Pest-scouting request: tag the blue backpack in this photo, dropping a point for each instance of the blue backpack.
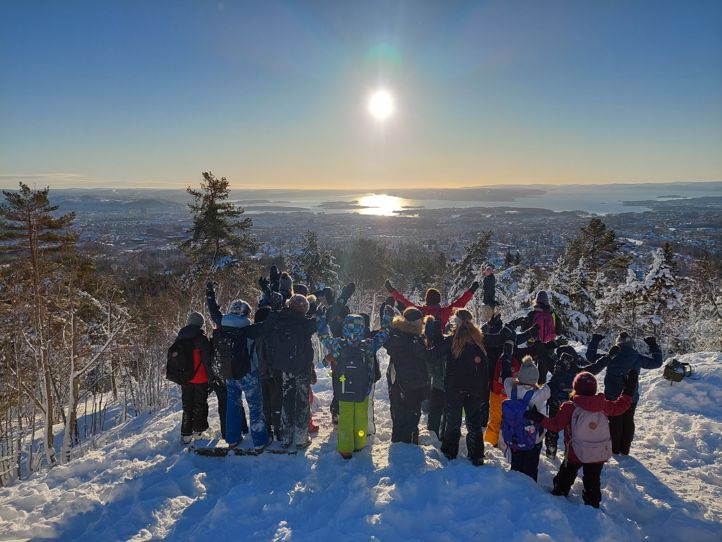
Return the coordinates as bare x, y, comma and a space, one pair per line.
519, 433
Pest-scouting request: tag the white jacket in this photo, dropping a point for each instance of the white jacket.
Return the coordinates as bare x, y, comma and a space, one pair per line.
539, 399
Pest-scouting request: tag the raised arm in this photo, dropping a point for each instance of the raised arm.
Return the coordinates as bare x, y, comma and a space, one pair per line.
383, 334
324, 334
655, 362
464, 298
213, 309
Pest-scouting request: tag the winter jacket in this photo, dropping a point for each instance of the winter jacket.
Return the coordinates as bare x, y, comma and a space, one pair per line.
437, 311
538, 400
297, 358
564, 373
592, 403
408, 367
626, 360
237, 327
201, 353
468, 373
353, 337
496, 334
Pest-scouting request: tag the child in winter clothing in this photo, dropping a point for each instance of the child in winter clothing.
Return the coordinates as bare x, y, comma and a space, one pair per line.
407, 375
269, 388
586, 433
233, 360
354, 376
194, 394
621, 360
466, 388
437, 395
433, 302
568, 364
527, 461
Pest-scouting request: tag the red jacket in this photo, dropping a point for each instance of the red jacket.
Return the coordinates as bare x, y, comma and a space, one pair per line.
592, 403
498, 383
200, 376
437, 311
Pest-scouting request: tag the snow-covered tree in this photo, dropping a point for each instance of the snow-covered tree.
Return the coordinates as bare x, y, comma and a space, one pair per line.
314, 265
661, 301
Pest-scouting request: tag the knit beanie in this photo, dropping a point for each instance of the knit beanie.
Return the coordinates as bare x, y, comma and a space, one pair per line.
585, 384
285, 283
300, 289
195, 319
412, 314
542, 299
623, 339
239, 307
298, 303
528, 373
486, 312
433, 297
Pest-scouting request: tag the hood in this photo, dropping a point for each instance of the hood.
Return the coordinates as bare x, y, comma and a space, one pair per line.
235, 320
354, 328
399, 323
190, 332
592, 403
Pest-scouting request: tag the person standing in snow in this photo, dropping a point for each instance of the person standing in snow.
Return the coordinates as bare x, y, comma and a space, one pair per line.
269, 388
584, 420
407, 375
527, 461
354, 376
621, 361
433, 302
543, 316
232, 358
194, 394
466, 387
291, 354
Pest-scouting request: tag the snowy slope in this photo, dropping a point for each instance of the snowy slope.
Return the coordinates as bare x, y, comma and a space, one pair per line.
141, 485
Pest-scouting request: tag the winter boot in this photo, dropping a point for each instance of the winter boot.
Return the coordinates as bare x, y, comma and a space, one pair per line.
346, 455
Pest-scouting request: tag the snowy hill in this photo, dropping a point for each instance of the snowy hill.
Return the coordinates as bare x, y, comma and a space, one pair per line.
141, 484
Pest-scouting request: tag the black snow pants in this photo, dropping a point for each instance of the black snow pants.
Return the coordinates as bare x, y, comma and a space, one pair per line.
272, 401
564, 479
405, 413
295, 408
474, 406
621, 429
436, 422
195, 408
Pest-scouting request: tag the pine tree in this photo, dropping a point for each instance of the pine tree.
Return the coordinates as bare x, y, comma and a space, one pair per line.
599, 246
317, 267
661, 298
620, 306
36, 241
220, 243
470, 267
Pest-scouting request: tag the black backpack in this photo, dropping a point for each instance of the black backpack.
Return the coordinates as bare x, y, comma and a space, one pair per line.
289, 348
352, 375
675, 370
180, 367
231, 359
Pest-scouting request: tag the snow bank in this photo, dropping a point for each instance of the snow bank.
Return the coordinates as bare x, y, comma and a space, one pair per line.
143, 485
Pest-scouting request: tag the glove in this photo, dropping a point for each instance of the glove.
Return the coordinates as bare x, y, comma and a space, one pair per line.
651, 342
631, 383
474, 286
534, 415
388, 286
348, 291
613, 351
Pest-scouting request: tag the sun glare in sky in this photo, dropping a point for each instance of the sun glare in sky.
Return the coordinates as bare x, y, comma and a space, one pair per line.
381, 105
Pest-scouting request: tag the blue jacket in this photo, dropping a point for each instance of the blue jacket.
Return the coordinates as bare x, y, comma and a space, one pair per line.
628, 359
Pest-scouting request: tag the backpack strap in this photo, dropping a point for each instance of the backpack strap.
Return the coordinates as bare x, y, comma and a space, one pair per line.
513, 392
528, 397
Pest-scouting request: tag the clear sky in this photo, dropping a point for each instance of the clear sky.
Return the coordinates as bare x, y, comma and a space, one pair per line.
274, 94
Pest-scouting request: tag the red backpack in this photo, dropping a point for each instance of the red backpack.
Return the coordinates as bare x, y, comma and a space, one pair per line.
545, 321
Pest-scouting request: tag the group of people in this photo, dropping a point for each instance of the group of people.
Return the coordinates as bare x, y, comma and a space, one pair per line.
493, 376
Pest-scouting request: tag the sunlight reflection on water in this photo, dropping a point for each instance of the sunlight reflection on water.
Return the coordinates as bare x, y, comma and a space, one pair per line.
381, 205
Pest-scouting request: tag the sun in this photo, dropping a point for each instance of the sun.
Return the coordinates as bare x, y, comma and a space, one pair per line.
381, 105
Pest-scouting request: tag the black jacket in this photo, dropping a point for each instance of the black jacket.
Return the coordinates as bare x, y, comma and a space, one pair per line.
468, 373
288, 338
408, 367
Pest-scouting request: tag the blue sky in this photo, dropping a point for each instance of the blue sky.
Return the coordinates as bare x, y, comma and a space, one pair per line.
151, 93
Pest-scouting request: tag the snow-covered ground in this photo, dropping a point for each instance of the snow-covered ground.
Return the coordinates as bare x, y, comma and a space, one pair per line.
141, 484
